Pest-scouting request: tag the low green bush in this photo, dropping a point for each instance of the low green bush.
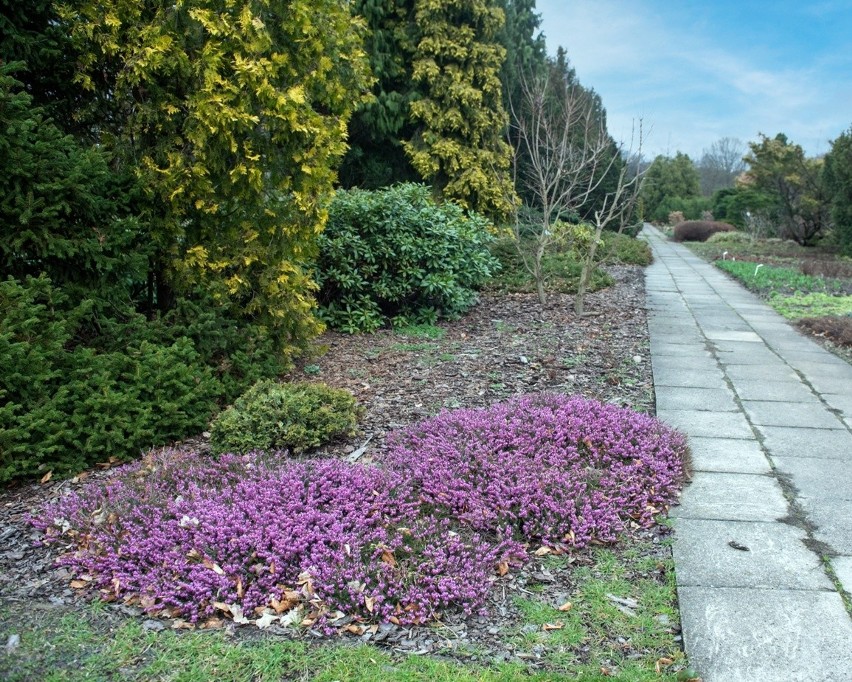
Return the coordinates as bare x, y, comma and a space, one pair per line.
276, 416
623, 249
394, 255
724, 238
64, 406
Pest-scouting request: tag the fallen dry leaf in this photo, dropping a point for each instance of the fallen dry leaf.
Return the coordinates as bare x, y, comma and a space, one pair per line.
46, 477
389, 558
266, 619
558, 625
567, 606
543, 551
662, 663
502, 568
369, 602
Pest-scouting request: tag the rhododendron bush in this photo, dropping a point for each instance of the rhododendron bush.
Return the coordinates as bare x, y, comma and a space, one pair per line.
448, 507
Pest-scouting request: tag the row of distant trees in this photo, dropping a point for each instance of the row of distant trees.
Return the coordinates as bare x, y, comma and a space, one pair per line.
769, 187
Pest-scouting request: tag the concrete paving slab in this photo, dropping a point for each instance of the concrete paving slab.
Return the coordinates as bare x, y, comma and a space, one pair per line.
760, 357
843, 402
752, 374
745, 554
678, 365
689, 398
782, 441
754, 635
833, 521
773, 413
829, 384
828, 479
669, 349
732, 497
747, 336
782, 391
842, 566
708, 424
728, 455
698, 360
686, 377
827, 365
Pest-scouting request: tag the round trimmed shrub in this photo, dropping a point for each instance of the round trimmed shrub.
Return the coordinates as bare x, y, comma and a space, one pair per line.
394, 254
276, 416
699, 230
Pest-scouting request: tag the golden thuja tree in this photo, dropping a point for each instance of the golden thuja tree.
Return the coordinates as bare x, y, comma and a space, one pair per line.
233, 116
459, 145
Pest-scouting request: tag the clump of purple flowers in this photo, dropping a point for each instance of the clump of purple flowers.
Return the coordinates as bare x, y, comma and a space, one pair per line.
452, 502
554, 468
186, 535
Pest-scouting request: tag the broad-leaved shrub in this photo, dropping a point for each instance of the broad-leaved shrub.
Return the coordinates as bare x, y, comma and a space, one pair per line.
279, 416
395, 253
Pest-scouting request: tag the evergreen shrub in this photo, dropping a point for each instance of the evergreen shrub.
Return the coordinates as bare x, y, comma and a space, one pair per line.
394, 255
276, 416
65, 406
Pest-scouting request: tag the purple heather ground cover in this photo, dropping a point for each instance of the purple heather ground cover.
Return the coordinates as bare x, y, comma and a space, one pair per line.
450, 504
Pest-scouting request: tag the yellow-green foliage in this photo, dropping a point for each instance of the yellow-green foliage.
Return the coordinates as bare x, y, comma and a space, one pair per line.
276, 416
233, 115
460, 147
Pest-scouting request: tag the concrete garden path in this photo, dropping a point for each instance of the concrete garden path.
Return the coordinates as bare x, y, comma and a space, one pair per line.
763, 535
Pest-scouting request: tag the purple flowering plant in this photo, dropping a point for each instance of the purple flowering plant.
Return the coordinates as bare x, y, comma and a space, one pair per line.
450, 504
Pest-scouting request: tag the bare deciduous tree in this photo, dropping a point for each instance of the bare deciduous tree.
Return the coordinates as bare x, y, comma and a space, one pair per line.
563, 153
721, 164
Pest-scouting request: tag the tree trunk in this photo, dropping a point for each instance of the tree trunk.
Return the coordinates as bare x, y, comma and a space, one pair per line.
586, 273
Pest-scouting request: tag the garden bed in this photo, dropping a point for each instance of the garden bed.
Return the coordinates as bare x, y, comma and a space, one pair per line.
623, 614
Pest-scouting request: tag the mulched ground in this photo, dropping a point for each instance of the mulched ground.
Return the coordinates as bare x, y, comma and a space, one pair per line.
507, 345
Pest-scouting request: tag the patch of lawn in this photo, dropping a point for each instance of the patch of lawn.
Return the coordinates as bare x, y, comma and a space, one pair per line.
620, 619
791, 293
799, 306
771, 279
421, 331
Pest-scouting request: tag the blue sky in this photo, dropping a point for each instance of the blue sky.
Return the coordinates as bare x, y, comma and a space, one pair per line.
699, 71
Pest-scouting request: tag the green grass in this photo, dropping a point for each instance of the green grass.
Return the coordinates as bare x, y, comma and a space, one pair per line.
771, 279
774, 249
421, 331
594, 632
789, 292
798, 306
